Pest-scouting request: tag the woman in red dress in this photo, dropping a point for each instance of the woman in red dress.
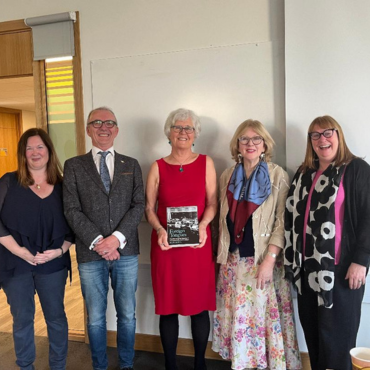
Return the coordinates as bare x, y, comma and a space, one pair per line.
183, 277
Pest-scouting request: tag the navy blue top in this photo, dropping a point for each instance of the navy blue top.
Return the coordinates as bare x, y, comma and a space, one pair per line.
246, 246
35, 223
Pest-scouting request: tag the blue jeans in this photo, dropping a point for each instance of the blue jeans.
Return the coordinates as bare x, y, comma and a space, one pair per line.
94, 278
20, 293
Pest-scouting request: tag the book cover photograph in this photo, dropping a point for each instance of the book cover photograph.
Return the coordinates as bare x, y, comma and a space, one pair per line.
182, 226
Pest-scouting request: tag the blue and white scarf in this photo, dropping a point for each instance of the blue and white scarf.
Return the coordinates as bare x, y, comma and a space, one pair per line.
246, 195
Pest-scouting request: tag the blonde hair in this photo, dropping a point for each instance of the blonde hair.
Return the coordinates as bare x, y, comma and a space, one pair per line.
344, 155
258, 127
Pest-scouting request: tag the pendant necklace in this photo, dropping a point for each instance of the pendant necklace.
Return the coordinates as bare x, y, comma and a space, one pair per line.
38, 186
181, 168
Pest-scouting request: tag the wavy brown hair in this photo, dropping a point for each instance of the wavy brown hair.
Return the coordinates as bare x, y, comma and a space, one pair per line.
260, 129
344, 155
54, 168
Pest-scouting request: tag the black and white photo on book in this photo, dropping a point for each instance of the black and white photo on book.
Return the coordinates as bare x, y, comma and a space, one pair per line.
182, 226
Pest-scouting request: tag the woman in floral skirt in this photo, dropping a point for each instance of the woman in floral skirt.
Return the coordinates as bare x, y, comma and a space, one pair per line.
254, 323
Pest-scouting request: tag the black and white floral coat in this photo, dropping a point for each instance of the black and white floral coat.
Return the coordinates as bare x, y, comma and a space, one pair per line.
355, 242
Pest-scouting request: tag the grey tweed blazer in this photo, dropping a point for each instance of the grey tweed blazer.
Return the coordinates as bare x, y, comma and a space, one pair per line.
91, 211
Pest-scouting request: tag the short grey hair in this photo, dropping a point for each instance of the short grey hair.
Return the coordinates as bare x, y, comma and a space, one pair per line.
101, 108
182, 114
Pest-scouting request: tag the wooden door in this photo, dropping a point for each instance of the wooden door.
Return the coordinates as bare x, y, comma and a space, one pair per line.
9, 135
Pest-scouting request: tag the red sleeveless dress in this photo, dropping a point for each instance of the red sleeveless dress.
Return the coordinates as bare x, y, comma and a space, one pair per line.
183, 277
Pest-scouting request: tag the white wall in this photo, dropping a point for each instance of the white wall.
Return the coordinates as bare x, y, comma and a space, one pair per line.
28, 119
328, 72
118, 28
327, 56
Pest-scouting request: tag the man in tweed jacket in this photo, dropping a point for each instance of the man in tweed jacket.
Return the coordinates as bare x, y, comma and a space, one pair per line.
104, 203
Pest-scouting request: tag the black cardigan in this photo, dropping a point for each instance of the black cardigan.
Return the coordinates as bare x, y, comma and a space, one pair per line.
355, 245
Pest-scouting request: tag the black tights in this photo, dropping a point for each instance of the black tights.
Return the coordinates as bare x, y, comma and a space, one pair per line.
169, 330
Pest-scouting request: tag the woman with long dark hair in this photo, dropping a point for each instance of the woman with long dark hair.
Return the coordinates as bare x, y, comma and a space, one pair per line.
34, 243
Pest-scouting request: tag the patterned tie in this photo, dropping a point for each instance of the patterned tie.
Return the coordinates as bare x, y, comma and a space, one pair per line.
104, 173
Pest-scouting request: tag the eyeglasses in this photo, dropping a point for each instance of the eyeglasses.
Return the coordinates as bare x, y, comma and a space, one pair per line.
99, 123
255, 140
327, 134
187, 129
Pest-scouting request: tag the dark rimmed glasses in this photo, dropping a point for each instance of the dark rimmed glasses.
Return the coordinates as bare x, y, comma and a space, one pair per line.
99, 123
255, 140
187, 129
328, 133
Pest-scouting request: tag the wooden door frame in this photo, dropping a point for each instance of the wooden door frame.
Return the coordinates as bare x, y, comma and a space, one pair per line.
18, 114
40, 83
41, 105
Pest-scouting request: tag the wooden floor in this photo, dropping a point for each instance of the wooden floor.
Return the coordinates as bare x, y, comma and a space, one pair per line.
73, 302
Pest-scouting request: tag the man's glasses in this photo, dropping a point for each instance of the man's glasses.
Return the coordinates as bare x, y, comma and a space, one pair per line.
187, 129
99, 123
327, 134
255, 140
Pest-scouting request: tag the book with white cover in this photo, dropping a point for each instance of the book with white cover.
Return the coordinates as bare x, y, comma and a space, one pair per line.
182, 226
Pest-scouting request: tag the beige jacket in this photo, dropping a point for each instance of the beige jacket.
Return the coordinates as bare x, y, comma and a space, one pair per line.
267, 220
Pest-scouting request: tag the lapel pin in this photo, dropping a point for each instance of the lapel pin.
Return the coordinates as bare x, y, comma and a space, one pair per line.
122, 161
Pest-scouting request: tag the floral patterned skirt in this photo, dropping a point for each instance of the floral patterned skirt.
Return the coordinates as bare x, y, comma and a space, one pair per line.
254, 328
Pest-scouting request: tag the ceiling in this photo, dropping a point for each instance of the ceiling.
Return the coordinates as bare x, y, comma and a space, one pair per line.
17, 93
